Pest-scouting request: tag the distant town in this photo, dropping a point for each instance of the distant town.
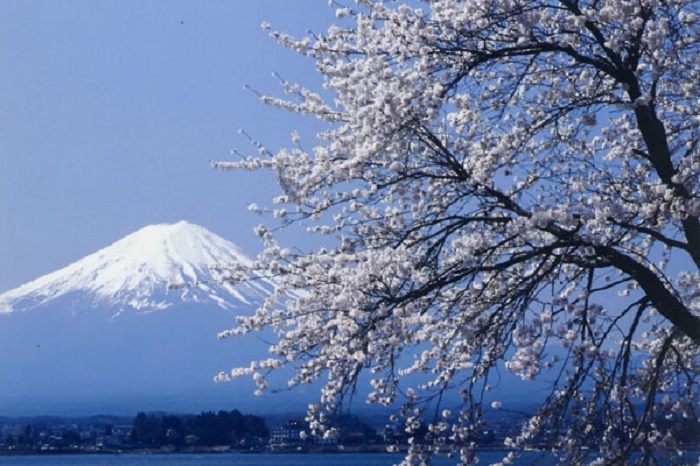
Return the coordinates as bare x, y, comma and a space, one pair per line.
222, 431
231, 431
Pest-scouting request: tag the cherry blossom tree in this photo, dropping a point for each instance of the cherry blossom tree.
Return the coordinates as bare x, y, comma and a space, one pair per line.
506, 185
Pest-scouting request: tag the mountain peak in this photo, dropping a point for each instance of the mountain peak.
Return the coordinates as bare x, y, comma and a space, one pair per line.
149, 269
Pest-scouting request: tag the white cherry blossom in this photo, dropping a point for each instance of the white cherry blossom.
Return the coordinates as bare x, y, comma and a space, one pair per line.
505, 185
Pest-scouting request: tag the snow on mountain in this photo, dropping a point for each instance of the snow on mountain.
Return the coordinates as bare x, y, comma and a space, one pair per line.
152, 268
95, 335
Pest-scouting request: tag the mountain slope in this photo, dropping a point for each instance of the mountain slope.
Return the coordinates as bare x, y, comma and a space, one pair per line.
131, 327
153, 268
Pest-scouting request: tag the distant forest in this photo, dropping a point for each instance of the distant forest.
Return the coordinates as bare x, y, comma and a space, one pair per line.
205, 429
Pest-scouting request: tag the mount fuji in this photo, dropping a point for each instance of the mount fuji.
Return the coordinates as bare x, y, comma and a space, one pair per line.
154, 268
131, 327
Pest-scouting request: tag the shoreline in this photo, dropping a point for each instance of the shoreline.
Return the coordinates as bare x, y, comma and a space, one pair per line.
225, 450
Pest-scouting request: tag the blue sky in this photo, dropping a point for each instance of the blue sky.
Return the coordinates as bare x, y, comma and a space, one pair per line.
111, 111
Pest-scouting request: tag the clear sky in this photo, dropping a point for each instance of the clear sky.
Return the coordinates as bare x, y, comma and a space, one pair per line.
110, 112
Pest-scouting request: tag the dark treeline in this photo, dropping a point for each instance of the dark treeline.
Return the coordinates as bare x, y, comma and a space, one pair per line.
205, 429
232, 430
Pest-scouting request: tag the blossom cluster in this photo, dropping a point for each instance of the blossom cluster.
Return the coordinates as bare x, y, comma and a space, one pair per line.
506, 185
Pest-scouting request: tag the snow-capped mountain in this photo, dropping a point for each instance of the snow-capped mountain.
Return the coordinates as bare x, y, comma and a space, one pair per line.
153, 268
131, 327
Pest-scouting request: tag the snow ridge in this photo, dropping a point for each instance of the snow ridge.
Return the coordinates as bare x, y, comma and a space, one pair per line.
150, 269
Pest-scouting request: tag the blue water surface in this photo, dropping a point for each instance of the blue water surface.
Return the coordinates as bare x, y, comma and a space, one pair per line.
263, 459
223, 459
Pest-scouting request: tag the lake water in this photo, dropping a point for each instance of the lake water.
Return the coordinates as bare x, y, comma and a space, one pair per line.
339, 459
320, 459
